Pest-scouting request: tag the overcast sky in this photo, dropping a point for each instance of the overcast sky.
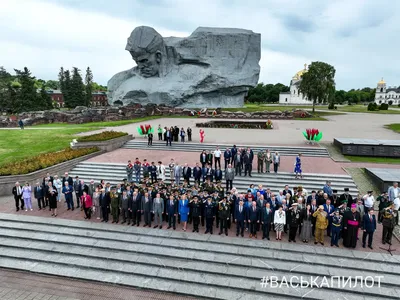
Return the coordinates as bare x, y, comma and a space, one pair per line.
360, 38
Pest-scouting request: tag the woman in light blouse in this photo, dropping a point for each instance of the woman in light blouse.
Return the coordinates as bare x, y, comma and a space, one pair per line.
279, 222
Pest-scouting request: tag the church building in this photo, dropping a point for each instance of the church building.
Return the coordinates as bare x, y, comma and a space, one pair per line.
390, 95
294, 96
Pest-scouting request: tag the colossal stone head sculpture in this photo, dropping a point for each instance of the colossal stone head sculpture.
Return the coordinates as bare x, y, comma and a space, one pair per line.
213, 67
146, 47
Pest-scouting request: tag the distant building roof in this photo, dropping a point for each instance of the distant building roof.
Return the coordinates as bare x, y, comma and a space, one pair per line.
396, 90
53, 92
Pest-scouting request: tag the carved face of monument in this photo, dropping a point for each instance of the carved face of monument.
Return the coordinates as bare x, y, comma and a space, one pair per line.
148, 64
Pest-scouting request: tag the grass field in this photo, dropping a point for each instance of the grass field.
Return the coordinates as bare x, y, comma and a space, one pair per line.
369, 159
19, 144
394, 127
98, 124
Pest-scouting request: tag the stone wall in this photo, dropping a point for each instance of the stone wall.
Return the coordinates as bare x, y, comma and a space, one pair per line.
83, 114
7, 182
107, 146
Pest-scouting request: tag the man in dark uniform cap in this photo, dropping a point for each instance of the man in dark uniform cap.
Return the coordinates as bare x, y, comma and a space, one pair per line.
196, 213
335, 199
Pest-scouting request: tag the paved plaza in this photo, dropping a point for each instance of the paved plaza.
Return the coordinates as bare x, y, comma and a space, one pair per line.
285, 132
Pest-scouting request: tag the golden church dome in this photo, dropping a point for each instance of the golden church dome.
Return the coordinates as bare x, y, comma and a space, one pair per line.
381, 81
300, 73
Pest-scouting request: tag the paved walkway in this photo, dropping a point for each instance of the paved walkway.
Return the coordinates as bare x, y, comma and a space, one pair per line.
285, 132
15, 285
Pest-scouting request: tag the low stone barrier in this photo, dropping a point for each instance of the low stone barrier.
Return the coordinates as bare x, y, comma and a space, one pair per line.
7, 182
106, 146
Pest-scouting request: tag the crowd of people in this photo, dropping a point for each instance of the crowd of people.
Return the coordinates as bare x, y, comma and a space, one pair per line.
201, 200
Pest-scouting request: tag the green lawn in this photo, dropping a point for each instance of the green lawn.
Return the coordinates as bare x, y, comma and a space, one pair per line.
369, 159
363, 109
99, 124
394, 127
19, 144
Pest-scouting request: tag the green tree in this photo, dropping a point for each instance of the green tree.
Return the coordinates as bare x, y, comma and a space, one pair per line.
5, 81
340, 96
77, 89
98, 87
27, 94
65, 84
318, 83
88, 87
45, 99
52, 85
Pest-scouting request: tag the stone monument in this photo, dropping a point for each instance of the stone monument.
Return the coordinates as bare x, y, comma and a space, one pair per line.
213, 67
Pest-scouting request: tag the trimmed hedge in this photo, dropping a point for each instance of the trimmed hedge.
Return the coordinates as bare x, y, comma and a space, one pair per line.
103, 136
43, 161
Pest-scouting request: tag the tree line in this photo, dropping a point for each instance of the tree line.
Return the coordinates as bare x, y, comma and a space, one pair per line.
24, 92
318, 83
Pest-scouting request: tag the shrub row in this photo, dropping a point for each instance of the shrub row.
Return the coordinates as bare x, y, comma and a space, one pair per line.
43, 161
103, 136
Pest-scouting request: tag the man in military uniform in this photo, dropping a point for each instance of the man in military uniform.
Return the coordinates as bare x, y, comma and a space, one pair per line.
153, 172
336, 228
115, 204
388, 222
224, 211
209, 214
294, 221
195, 209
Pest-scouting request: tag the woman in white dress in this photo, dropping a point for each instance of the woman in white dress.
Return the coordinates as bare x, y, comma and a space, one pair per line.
279, 222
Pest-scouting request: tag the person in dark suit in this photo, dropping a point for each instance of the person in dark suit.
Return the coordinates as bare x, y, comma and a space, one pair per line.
203, 158
197, 173
234, 151
227, 157
311, 197
147, 206
153, 172
150, 139
17, 192
38, 192
369, 227
67, 178
187, 173
266, 220
247, 161
172, 211
105, 201
135, 207
218, 174
253, 219
240, 216
209, 158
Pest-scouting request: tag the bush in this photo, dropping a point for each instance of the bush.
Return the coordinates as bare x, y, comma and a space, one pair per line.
103, 136
372, 106
331, 106
384, 106
43, 161
398, 105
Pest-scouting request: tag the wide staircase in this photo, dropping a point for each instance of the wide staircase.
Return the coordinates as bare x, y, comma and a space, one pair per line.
115, 173
202, 266
197, 147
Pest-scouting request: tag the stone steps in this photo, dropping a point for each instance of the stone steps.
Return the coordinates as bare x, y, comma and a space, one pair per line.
198, 147
115, 173
203, 266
